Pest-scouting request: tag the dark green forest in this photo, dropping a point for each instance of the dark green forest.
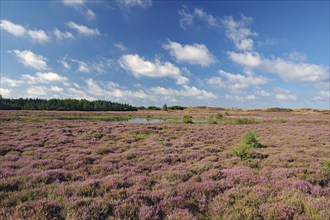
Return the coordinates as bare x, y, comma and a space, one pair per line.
63, 105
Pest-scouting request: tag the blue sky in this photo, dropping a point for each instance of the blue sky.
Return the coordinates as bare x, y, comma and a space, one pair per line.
246, 54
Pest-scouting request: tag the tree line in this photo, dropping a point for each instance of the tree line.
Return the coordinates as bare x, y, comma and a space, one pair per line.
63, 105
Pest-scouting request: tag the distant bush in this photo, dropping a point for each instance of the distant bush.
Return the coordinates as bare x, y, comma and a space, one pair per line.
176, 107
282, 120
248, 142
226, 114
153, 108
218, 116
187, 119
326, 166
240, 121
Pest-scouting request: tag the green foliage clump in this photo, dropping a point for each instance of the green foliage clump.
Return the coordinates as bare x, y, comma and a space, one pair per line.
219, 116
248, 142
187, 119
326, 166
282, 120
165, 107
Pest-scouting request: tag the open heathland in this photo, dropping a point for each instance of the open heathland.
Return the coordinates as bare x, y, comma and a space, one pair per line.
221, 164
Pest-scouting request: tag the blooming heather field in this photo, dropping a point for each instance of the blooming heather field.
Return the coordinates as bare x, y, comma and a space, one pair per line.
55, 165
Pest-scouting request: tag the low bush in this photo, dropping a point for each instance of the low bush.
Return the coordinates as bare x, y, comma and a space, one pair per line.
248, 142
187, 119
326, 166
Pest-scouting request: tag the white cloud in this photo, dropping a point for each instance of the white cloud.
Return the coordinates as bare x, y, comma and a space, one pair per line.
188, 17
134, 3
62, 35
74, 2
193, 54
323, 95
28, 58
236, 81
82, 66
249, 59
47, 77
138, 66
296, 72
90, 14
56, 89
290, 71
10, 82
239, 33
37, 91
17, 30
186, 91
241, 97
38, 36
285, 97
83, 30
14, 29
120, 46
64, 63
4, 91
101, 65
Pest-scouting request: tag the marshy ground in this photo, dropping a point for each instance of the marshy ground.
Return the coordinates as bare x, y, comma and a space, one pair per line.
97, 165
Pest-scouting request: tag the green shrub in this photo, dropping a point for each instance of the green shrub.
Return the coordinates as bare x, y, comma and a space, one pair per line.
282, 120
326, 166
248, 142
218, 116
187, 119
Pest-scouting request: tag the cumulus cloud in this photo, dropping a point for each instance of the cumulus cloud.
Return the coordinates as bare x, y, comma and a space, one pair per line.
83, 30
285, 97
186, 91
236, 81
193, 54
28, 58
138, 66
14, 29
288, 70
74, 2
4, 91
62, 35
17, 30
134, 3
44, 77
36, 91
10, 82
323, 95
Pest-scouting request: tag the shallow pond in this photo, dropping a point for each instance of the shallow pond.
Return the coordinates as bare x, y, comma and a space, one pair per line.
146, 120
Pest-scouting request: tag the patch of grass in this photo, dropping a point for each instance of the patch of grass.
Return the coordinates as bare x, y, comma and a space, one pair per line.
240, 121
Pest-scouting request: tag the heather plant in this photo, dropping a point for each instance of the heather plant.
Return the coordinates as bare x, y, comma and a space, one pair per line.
187, 119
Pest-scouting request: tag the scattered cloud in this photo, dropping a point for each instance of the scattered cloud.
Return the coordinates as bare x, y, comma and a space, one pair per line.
188, 17
90, 14
138, 66
10, 82
64, 63
239, 32
193, 54
186, 91
37, 91
236, 81
28, 58
82, 66
4, 91
62, 35
120, 46
74, 2
323, 95
101, 65
17, 30
14, 29
46, 77
285, 97
83, 30
56, 89
249, 59
237, 97
134, 3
